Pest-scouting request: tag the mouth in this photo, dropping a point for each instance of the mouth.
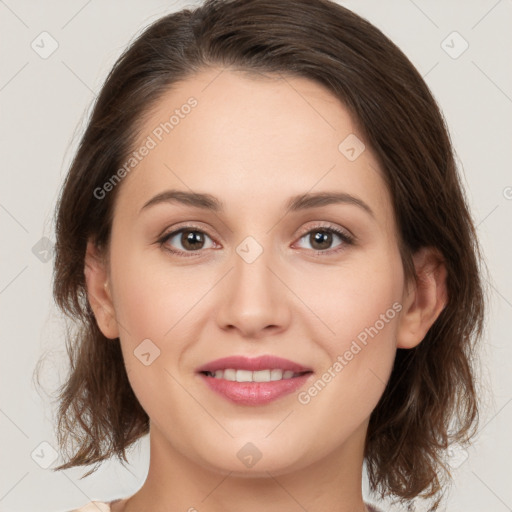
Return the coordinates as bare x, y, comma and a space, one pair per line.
253, 381
269, 375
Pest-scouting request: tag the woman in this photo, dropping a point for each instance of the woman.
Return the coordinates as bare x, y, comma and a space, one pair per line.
266, 248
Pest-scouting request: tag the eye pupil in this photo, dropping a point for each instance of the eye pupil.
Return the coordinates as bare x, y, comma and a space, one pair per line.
324, 238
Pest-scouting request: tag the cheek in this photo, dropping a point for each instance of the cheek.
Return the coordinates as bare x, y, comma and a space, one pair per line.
351, 299
359, 312
151, 304
151, 297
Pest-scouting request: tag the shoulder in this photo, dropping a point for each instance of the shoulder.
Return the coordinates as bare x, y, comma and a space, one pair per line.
94, 506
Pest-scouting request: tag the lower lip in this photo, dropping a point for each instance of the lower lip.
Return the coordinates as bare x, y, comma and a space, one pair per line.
255, 393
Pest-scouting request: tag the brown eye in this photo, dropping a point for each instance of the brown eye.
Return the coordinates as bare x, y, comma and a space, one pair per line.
192, 240
322, 239
186, 240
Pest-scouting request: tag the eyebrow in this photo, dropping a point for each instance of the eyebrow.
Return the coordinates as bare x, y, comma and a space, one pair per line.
295, 203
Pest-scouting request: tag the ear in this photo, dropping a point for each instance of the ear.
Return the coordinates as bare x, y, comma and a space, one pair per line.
98, 291
424, 298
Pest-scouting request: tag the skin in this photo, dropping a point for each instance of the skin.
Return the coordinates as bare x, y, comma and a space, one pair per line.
253, 142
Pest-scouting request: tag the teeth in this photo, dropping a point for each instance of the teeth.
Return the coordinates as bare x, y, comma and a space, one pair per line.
248, 376
243, 376
229, 375
276, 374
261, 376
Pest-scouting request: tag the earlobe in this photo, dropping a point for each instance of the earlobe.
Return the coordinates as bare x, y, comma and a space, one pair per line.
99, 292
425, 298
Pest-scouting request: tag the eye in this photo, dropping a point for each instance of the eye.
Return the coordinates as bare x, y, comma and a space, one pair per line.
189, 239
321, 239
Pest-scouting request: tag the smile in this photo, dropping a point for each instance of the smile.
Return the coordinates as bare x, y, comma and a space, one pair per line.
253, 381
257, 376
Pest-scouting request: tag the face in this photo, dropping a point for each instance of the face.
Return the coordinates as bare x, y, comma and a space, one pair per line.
255, 269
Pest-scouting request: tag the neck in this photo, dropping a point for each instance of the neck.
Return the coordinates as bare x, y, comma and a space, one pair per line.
330, 484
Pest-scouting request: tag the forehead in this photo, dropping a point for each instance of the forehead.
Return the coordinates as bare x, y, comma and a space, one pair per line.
240, 135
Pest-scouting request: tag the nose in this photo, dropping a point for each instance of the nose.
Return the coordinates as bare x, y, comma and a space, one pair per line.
255, 300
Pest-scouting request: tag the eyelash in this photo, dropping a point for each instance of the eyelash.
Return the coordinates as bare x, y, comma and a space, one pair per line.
346, 238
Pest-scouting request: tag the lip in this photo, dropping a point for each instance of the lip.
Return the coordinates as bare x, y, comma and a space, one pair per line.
253, 364
254, 393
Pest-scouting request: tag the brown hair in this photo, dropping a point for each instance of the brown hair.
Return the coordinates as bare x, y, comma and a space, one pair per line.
430, 399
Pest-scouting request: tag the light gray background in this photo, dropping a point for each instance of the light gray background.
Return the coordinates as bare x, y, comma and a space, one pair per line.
43, 106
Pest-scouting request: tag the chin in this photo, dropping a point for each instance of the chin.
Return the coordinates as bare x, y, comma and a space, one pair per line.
243, 457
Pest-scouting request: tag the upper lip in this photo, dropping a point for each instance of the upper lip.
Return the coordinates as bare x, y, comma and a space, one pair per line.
265, 362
